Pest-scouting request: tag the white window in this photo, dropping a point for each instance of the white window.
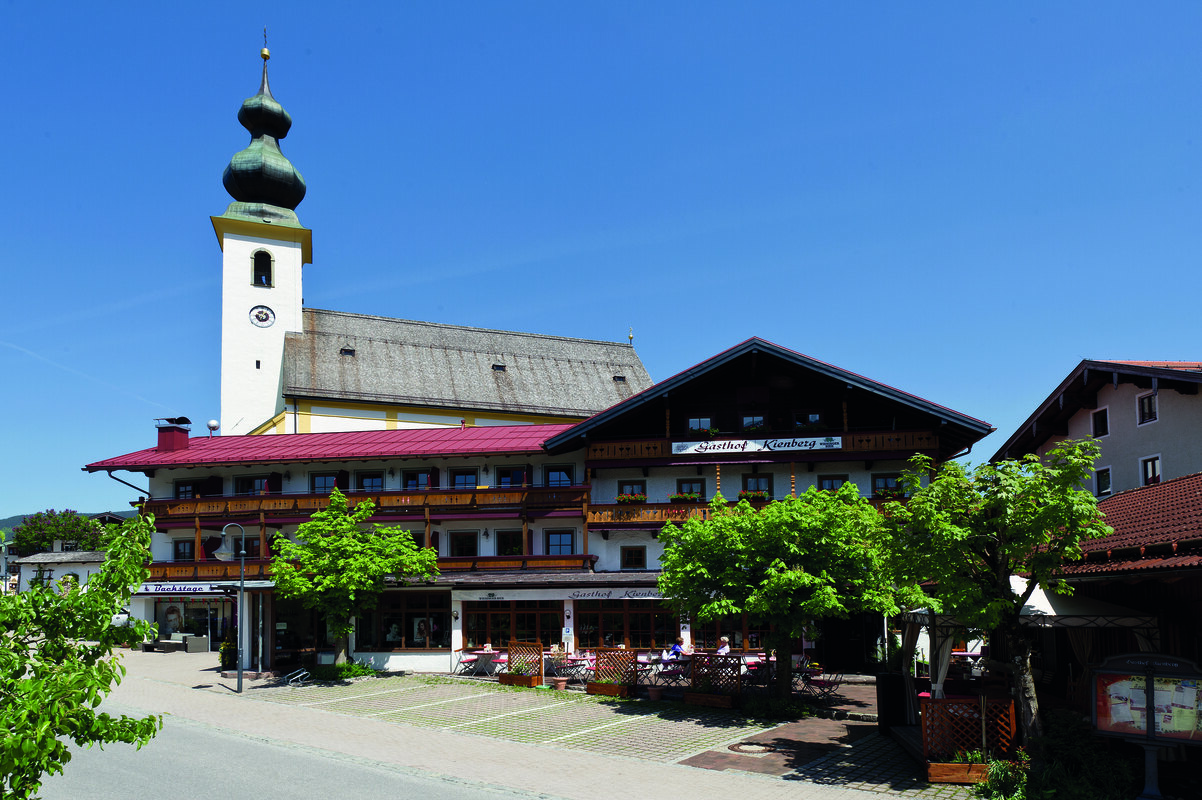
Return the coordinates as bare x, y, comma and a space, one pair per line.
1146, 409
1100, 423
1102, 481
1149, 470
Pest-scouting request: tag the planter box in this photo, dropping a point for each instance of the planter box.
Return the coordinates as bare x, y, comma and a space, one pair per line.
519, 680
957, 773
713, 700
608, 689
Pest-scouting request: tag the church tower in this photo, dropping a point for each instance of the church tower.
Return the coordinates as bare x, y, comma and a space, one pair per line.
263, 248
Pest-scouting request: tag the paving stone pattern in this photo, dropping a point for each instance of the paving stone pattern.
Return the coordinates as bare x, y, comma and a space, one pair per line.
667, 732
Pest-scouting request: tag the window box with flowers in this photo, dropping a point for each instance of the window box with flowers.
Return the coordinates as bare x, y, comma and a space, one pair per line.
630, 498
685, 497
705, 433
753, 494
889, 493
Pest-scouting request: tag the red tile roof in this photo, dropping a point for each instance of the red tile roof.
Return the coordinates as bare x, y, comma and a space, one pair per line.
1185, 366
342, 446
1155, 528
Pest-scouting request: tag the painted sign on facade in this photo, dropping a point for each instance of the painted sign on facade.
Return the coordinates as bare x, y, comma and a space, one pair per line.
758, 445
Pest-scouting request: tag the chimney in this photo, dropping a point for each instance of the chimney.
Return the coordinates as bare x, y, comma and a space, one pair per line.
173, 433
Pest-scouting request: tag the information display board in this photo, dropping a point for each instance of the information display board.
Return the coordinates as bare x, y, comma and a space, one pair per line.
1150, 697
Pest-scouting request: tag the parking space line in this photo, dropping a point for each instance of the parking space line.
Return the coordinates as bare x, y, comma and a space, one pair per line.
427, 705
590, 730
359, 696
507, 714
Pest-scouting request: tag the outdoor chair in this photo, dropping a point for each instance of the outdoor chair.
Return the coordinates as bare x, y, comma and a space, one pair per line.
675, 673
466, 662
822, 690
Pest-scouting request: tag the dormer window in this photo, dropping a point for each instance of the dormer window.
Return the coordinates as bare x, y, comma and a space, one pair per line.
262, 269
347, 351
498, 367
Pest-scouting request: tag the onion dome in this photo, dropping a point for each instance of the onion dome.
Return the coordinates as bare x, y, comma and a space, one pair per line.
264, 184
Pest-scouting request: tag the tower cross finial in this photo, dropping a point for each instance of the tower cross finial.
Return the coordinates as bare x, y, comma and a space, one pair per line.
265, 52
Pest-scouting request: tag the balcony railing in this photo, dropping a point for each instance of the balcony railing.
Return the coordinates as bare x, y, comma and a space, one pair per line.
656, 514
259, 569
306, 504
858, 442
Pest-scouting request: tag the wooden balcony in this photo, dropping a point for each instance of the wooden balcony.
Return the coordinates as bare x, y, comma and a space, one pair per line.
258, 569
208, 570
532, 498
654, 515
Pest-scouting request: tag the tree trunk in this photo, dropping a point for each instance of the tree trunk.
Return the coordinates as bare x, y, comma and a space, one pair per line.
342, 646
1024, 682
783, 685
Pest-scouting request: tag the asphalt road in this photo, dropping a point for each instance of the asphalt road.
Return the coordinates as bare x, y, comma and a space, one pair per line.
197, 762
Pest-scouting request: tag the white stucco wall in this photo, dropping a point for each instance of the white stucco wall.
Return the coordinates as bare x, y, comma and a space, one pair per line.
252, 394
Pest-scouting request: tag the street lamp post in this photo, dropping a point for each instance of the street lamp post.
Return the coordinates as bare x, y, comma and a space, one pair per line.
224, 554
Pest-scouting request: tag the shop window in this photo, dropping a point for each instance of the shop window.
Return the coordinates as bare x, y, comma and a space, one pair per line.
1100, 425
510, 543
1149, 469
559, 475
322, 482
369, 481
465, 543
497, 622
744, 632
464, 479
560, 542
511, 476
416, 479
262, 269
831, 483
1102, 481
250, 484
407, 621
1147, 408
646, 624
634, 557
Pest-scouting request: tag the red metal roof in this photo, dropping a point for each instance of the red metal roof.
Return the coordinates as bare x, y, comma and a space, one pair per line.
341, 446
1155, 528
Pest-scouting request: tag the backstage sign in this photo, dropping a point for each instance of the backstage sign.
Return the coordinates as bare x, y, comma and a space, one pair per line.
757, 445
175, 588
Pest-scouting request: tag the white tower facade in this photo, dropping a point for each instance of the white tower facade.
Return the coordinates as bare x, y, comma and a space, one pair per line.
260, 303
263, 249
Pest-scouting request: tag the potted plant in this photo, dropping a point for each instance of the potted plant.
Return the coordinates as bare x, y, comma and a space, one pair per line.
655, 693
607, 688
703, 694
753, 494
967, 766
631, 498
706, 433
684, 497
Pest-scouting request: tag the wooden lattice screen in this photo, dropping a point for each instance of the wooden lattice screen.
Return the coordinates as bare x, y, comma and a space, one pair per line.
526, 658
715, 674
952, 726
615, 665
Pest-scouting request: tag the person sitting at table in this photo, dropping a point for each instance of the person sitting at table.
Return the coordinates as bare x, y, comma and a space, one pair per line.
724, 646
678, 651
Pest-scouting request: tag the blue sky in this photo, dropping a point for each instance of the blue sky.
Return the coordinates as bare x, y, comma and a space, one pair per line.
960, 201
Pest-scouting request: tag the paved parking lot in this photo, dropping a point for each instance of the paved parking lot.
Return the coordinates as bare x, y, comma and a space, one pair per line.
821, 757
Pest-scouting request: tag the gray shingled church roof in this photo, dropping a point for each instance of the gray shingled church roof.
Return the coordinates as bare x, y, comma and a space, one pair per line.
355, 357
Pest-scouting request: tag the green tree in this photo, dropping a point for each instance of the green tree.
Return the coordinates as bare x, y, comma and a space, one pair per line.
969, 531
792, 563
36, 534
337, 567
57, 664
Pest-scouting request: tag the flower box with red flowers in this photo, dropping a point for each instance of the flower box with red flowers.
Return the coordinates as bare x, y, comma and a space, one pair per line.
630, 498
753, 495
685, 497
